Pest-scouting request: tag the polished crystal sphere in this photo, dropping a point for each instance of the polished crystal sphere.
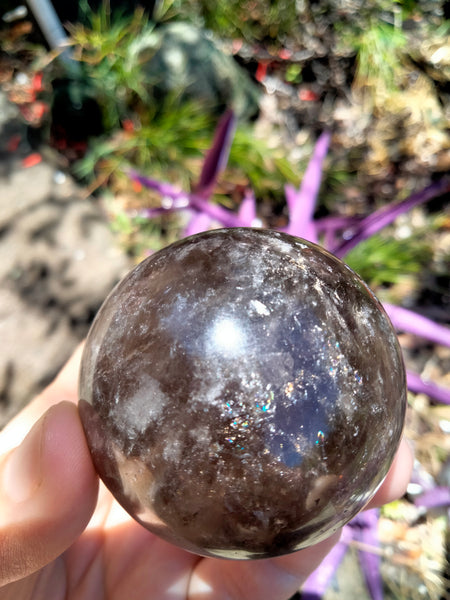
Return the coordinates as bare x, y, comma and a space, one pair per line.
242, 393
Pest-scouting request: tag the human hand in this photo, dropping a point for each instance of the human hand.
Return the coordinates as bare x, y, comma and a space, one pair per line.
64, 536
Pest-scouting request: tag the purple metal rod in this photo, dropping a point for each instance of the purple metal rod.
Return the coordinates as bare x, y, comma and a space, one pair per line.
366, 532
216, 212
317, 583
411, 322
302, 202
417, 385
163, 188
438, 497
385, 216
217, 156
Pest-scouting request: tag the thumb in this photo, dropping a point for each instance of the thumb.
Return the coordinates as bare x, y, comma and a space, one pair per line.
48, 491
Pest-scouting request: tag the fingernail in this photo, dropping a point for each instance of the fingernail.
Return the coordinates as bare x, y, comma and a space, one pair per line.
22, 472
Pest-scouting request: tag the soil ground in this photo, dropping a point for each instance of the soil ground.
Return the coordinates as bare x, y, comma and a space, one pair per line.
58, 260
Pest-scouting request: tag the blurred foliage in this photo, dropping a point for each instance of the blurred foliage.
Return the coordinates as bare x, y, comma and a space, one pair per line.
379, 60
393, 55
252, 21
385, 260
158, 134
162, 141
395, 107
136, 234
107, 49
281, 21
376, 73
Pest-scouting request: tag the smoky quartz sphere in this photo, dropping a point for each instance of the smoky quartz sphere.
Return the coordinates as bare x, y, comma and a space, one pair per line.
242, 393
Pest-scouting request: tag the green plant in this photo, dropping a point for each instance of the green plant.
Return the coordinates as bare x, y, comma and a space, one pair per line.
385, 260
379, 58
108, 50
138, 235
251, 21
165, 137
163, 132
